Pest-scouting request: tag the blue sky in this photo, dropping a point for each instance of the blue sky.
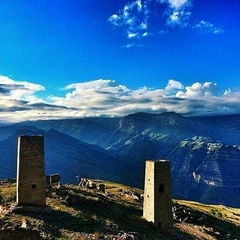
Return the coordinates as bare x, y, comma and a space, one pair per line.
81, 58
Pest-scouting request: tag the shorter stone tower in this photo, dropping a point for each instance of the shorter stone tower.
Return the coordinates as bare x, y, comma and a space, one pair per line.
157, 207
30, 172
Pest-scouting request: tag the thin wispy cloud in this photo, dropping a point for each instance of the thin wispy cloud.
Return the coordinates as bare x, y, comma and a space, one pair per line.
207, 27
134, 17
129, 45
178, 12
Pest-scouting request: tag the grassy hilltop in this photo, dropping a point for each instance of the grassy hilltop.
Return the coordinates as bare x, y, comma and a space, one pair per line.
77, 213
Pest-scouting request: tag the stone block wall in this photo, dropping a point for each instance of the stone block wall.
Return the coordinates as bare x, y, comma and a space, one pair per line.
30, 171
157, 206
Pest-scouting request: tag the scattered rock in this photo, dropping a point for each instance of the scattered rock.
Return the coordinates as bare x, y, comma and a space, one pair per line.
183, 214
131, 194
128, 236
89, 184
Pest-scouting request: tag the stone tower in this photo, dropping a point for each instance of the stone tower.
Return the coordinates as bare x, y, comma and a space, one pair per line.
157, 207
30, 171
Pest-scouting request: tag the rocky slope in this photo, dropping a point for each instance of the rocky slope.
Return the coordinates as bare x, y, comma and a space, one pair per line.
80, 213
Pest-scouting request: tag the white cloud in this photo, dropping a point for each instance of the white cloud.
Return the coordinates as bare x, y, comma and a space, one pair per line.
145, 34
18, 101
114, 19
107, 98
180, 18
173, 85
178, 12
198, 90
134, 17
132, 35
129, 45
207, 27
177, 4
19, 90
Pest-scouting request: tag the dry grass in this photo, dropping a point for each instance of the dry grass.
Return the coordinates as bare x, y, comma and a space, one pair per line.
96, 215
226, 213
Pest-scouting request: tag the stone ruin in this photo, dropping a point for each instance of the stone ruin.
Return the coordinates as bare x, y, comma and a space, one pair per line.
187, 215
31, 183
53, 179
30, 172
157, 207
89, 184
131, 194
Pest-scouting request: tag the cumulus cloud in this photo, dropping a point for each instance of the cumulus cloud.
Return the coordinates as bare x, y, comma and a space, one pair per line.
105, 97
173, 85
18, 101
198, 90
10, 89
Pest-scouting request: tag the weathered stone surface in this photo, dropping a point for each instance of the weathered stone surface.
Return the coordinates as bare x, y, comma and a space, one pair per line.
157, 205
101, 188
30, 171
89, 184
54, 179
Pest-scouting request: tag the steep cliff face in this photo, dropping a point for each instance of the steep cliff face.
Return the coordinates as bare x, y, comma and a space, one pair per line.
207, 172
203, 168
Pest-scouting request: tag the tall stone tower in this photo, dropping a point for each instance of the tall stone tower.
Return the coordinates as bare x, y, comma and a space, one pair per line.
30, 171
157, 207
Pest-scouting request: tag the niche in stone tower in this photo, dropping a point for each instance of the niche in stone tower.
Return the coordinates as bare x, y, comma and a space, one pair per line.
30, 171
157, 207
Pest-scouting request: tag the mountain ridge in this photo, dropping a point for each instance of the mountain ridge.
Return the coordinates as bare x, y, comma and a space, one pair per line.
203, 152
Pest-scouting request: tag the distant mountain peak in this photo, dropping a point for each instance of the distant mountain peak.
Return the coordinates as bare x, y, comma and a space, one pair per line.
170, 114
140, 115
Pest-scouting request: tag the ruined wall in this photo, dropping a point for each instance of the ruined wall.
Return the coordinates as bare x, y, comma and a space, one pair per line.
30, 171
157, 206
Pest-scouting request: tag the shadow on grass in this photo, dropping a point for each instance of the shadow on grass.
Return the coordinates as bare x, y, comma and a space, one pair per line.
96, 211
224, 229
218, 227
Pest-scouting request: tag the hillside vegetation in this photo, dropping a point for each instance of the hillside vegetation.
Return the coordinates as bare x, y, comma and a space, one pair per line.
78, 213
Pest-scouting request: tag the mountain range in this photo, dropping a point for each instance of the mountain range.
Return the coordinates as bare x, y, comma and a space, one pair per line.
204, 152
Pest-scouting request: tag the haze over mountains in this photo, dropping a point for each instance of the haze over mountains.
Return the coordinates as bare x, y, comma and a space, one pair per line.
204, 151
